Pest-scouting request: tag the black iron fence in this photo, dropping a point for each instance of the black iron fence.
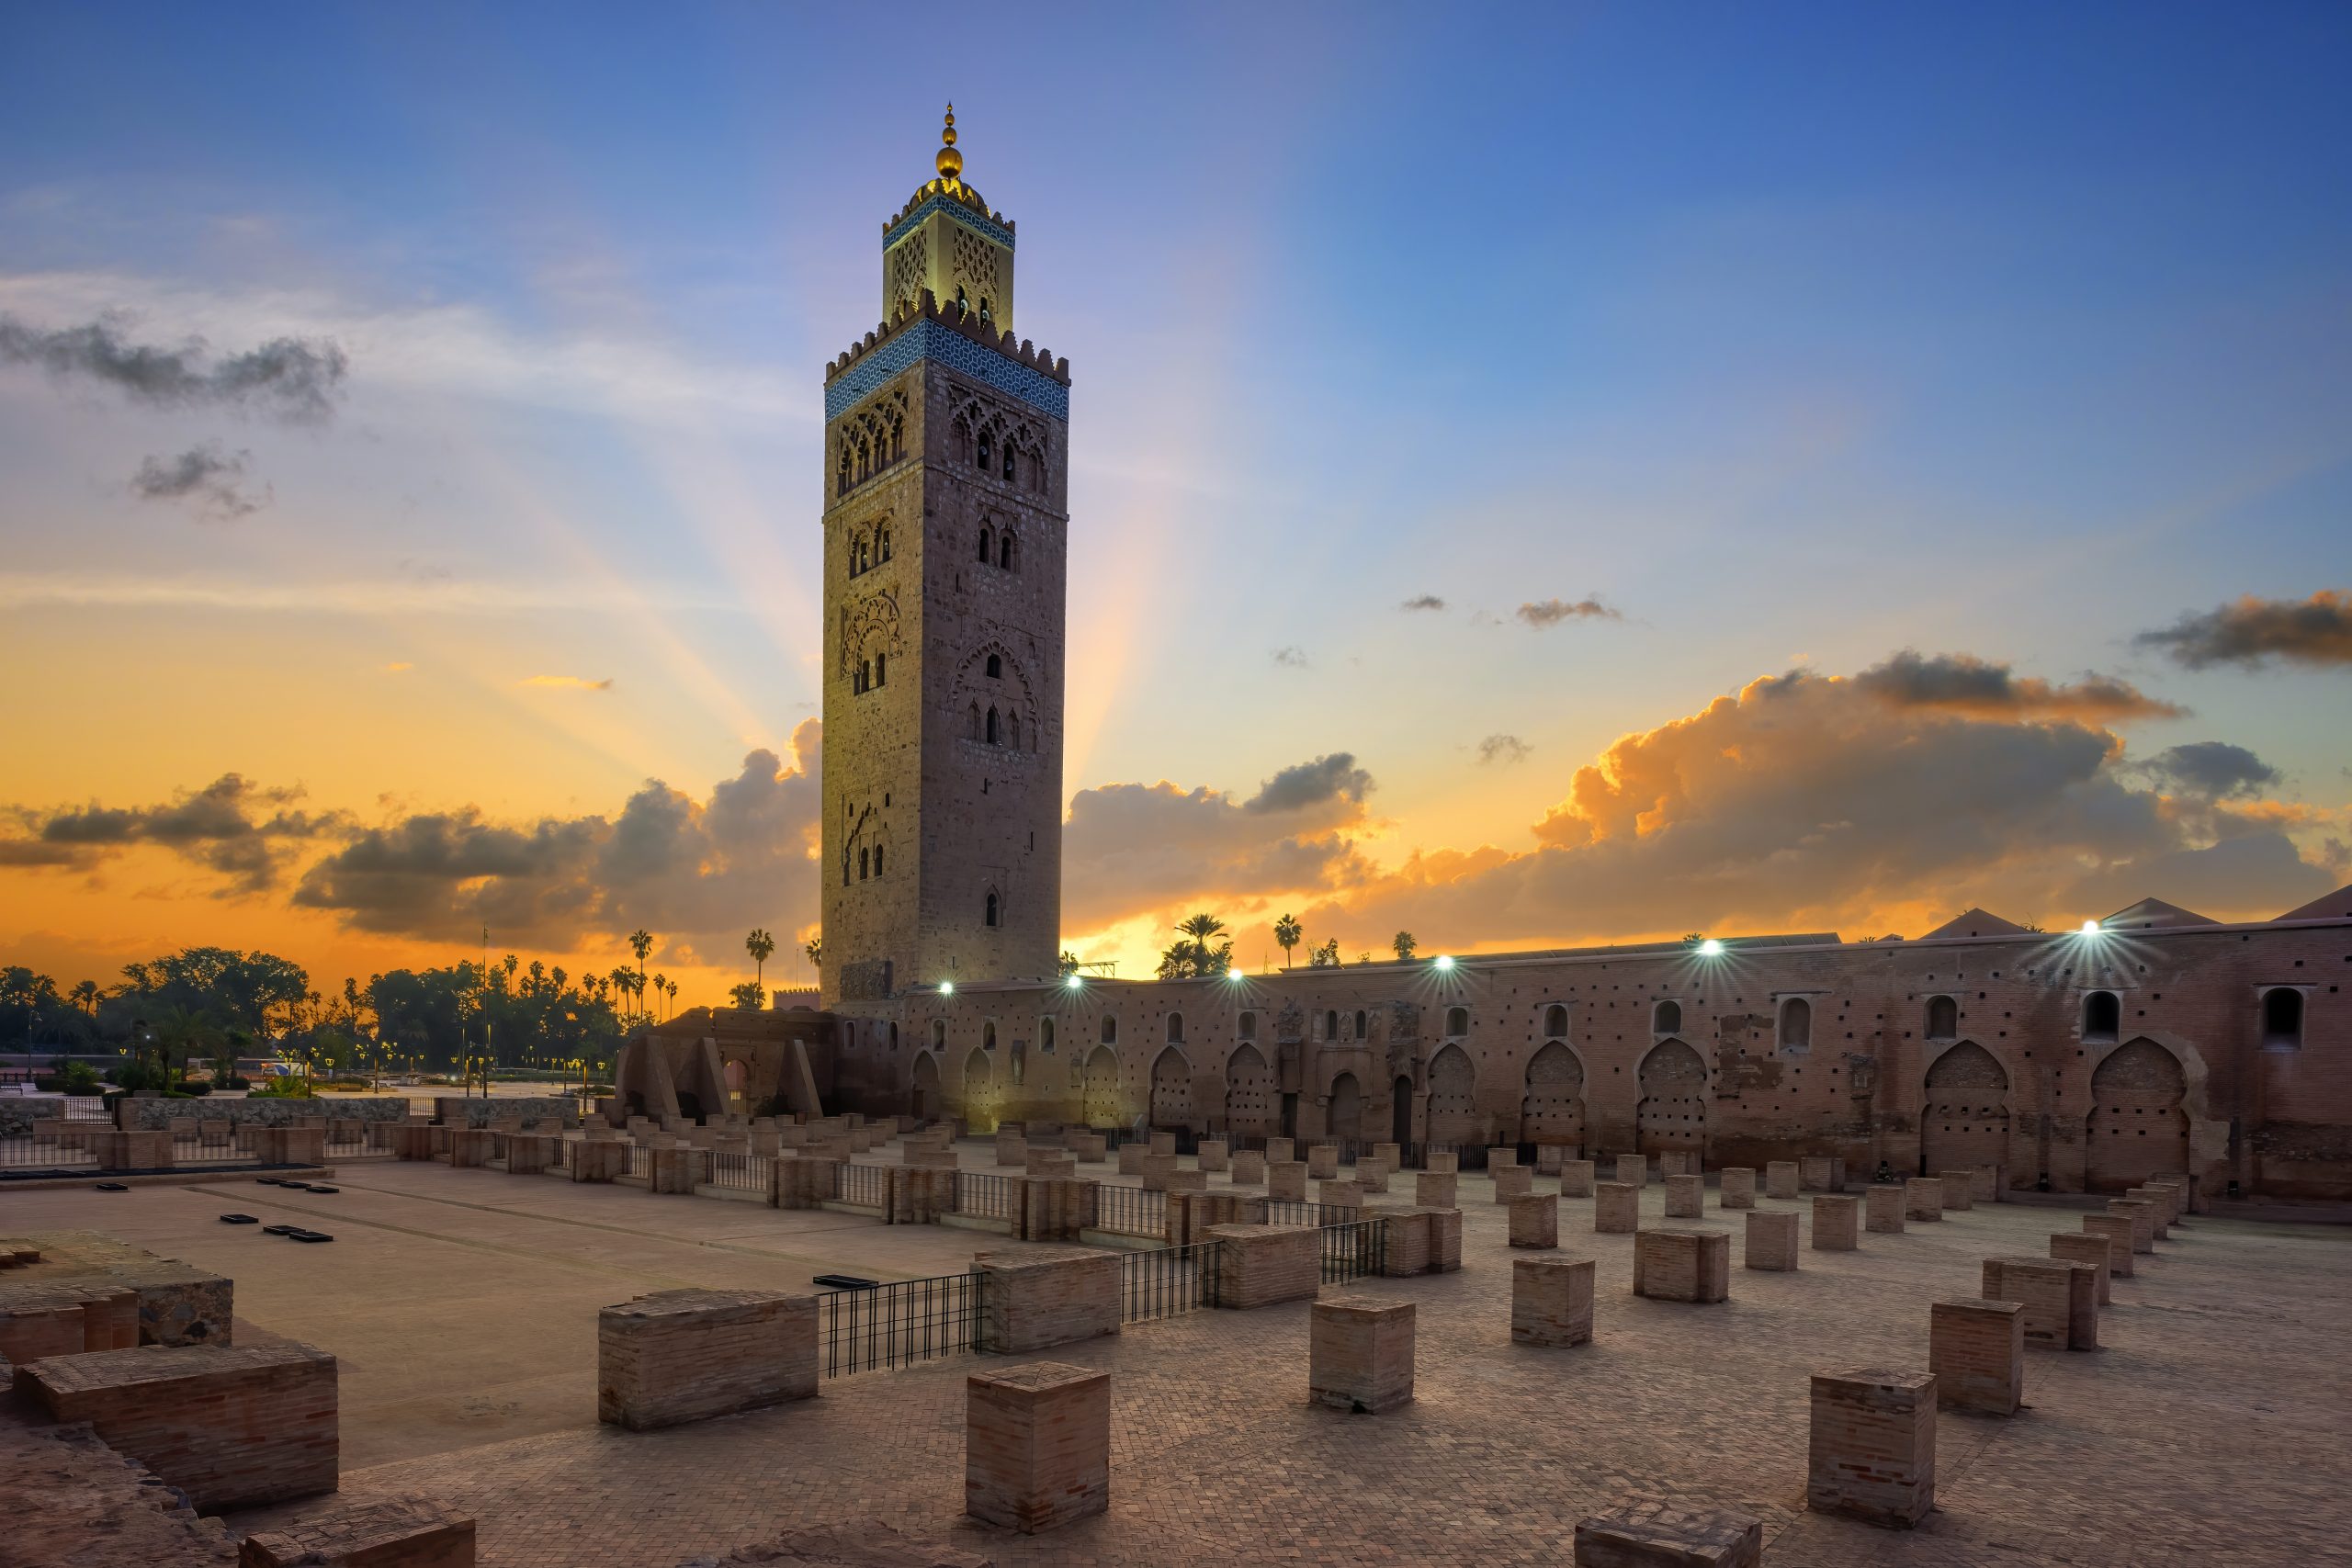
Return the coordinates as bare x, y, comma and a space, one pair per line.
867, 1186
1128, 1211
44, 1153
1295, 1211
740, 1172
212, 1143
897, 1324
987, 1197
1353, 1251
1169, 1280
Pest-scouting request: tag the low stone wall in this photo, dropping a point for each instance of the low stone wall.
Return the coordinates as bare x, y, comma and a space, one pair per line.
157, 1115
466, 1112
1032, 1300
179, 1305
679, 1356
229, 1428
388, 1532
1259, 1265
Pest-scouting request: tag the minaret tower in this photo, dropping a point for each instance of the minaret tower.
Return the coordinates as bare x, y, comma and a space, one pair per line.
946, 526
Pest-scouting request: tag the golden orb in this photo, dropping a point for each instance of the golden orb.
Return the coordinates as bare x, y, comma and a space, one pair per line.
950, 162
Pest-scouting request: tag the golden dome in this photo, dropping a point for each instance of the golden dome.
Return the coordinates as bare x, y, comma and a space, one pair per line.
950, 162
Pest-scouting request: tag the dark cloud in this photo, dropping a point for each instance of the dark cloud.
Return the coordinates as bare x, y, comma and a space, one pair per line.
232, 825
1306, 785
1291, 658
206, 475
1963, 683
1423, 602
2214, 769
2252, 632
294, 380
1503, 749
1552, 612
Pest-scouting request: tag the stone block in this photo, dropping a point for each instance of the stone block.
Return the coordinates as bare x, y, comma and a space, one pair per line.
1360, 1355
1322, 1162
2061, 1298
1502, 1157
1576, 1178
1923, 1199
1781, 1178
1616, 1208
1634, 1170
1406, 1241
1686, 1196
1339, 1195
1033, 1299
471, 1146
1248, 1168
1736, 1187
1157, 1168
1772, 1240
1872, 1454
385, 1533
1088, 1146
1036, 1445
1960, 1190
233, 1428
2116, 1229
1836, 1222
1442, 1162
1984, 1183
679, 1355
1535, 1220
1390, 1154
1279, 1149
2094, 1251
1260, 1265
1434, 1188
1976, 1351
2143, 1215
1821, 1173
1372, 1173
1215, 1154
1678, 1264
1286, 1179
1551, 1300
1163, 1143
1678, 1162
1882, 1206
2160, 1205
1655, 1535
1131, 1158
1188, 1181
1512, 1182
1049, 1162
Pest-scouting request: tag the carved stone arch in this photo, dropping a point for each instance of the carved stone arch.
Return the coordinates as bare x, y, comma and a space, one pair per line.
2139, 1121
1344, 1119
1010, 692
981, 1095
1964, 1110
1672, 1113
922, 1086
1552, 1111
867, 627
1172, 1088
1250, 1100
1099, 1094
1454, 1117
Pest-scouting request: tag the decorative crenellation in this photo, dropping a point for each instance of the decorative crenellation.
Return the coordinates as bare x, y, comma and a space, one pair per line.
930, 330
959, 202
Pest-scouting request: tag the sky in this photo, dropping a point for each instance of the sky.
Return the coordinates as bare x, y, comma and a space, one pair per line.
1538, 474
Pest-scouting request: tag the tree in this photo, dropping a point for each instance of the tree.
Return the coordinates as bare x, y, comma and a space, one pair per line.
181, 1033
751, 996
1326, 956
815, 949
1191, 956
762, 947
1405, 943
673, 999
640, 941
1288, 933
85, 996
660, 987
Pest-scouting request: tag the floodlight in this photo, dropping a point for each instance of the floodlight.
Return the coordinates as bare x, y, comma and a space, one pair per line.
948, 988
2091, 928
1444, 961
1711, 948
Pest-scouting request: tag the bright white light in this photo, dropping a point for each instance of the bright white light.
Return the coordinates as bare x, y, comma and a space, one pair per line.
1445, 961
1236, 974
2090, 927
1072, 982
1711, 948
948, 988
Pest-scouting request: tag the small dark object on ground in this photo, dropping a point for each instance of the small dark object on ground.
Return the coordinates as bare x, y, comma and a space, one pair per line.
239, 1220
845, 1282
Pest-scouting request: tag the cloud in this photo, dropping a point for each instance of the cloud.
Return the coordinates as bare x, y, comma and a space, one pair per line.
2252, 632
690, 869
1133, 848
1291, 658
290, 378
1503, 749
1552, 612
1962, 683
1423, 602
232, 825
570, 682
2214, 770
399, 667
204, 474
1807, 802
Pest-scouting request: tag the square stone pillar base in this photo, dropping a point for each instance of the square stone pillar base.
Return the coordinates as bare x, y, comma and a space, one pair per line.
1634, 1170
1884, 1206
1781, 1178
1361, 1353
1616, 1208
1772, 1240
2116, 1229
1681, 1265
1836, 1223
1661, 1536
2081, 1247
1511, 1181
1576, 1178
1976, 1348
1551, 1300
1036, 1445
1685, 1196
1872, 1450
1535, 1221
1435, 1189
1738, 1188
1923, 1199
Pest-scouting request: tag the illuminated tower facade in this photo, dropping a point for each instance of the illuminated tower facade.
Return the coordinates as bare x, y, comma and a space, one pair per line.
946, 525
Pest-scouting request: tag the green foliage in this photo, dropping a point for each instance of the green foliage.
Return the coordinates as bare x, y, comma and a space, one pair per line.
751, 996
1197, 952
1326, 956
1288, 933
281, 1089
1406, 944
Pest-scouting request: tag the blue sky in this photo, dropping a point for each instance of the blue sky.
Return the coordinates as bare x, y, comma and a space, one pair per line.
1795, 336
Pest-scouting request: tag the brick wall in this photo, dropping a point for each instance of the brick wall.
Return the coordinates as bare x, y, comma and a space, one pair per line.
1360, 1354
386, 1532
1031, 1300
1976, 1349
1681, 1265
2061, 1298
1772, 1240
678, 1356
1036, 1445
1871, 1450
1551, 1300
1260, 1265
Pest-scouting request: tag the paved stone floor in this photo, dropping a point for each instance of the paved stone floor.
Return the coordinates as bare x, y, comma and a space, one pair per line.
2214, 1426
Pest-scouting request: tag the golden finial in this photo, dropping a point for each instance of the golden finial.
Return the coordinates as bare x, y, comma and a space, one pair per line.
950, 162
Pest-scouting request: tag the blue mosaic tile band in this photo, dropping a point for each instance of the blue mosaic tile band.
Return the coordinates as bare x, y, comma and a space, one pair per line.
955, 209
937, 339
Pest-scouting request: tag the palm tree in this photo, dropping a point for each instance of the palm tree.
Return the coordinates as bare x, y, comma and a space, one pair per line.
180, 1034
1288, 933
85, 996
640, 941
1405, 943
673, 999
661, 985
816, 952
762, 947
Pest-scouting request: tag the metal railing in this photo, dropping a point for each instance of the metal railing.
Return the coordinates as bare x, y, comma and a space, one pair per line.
640, 1162
744, 1173
44, 1153
1293, 1211
869, 1186
897, 1324
1171, 1280
1354, 1250
987, 1197
213, 1143
564, 1153
86, 1108
1129, 1211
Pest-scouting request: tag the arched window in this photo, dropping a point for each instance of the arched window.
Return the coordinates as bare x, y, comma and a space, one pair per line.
986, 538
991, 909
1110, 1031
1008, 469
840, 483
878, 860
2102, 1015
939, 1033
1004, 544
972, 722
881, 668
962, 301
1175, 1028
1556, 1022
1364, 1029
1044, 1034
984, 310
1943, 1018
861, 865
995, 668
991, 736
1458, 1022
844, 866
984, 451
1245, 1027
1796, 1024
864, 673
1330, 1023
988, 1035
2282, 1018
886, 544
1013, 729
1666, 1017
